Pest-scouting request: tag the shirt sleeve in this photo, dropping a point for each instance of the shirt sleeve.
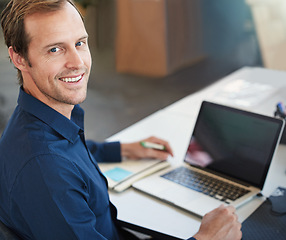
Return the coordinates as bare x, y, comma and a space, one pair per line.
105, 152
51, 200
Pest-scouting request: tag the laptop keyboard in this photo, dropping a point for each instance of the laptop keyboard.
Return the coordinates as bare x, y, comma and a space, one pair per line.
203, 183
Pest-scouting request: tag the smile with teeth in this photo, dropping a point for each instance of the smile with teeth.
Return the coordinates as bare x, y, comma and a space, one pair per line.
71, 80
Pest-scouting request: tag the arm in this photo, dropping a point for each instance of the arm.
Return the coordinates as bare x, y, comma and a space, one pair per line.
54, 199
114, 151
105, 152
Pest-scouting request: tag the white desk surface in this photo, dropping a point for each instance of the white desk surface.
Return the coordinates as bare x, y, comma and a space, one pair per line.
255, 89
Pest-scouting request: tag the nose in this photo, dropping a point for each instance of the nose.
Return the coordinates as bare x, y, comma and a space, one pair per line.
74, 59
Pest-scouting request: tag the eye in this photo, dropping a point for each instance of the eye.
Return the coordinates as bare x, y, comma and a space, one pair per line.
54, 49
78, 44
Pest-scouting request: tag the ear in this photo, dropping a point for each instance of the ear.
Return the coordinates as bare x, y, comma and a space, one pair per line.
17, 59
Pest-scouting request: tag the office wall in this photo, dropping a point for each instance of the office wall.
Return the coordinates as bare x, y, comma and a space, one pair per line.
155, 38
219, 30
229, 34
270, 22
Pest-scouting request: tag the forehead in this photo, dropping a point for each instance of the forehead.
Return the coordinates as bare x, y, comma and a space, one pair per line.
58, 26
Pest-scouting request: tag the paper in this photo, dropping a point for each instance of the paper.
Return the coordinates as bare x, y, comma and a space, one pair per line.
244, 93
117, 174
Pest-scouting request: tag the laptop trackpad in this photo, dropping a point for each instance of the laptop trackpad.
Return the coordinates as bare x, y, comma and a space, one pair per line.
185, 196
203, 205
190, 200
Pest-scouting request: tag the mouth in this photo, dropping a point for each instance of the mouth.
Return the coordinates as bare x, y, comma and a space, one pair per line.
71, 79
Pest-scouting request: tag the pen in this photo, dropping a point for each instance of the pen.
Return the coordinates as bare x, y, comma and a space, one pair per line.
153, 145
280, 107
280, 110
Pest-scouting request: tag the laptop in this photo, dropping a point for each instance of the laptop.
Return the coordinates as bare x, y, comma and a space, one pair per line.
227, 160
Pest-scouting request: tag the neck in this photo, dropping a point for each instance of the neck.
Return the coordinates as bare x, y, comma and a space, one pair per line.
62, 108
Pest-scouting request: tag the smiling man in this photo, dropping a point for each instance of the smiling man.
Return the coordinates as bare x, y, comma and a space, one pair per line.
50, 183
58, 63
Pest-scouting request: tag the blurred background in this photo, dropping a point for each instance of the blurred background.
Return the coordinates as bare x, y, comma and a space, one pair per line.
148, 54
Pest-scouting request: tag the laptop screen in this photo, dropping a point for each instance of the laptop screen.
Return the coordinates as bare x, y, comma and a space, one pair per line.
234, 142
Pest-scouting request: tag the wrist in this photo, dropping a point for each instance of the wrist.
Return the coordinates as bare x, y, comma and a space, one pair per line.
126, 150
122, 149
197, 236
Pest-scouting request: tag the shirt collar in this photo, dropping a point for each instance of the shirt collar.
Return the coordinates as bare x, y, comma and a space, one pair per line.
69, 129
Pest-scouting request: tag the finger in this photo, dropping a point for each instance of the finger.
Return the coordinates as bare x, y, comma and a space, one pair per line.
161, 155
169, 149
222, 206
162, 142
225, 211
231, 208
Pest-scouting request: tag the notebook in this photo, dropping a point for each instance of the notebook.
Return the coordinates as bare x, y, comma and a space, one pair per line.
120, 176
227, 161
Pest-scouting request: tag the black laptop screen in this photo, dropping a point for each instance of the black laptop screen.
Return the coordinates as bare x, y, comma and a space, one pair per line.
233, 142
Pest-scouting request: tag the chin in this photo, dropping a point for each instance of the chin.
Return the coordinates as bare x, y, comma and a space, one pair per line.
79, 101
73, 100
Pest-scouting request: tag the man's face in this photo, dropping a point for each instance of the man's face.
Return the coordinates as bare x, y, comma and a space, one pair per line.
59, 58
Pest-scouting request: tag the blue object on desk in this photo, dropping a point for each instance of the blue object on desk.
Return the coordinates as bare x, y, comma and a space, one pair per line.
278, 201
269, 220
117, 174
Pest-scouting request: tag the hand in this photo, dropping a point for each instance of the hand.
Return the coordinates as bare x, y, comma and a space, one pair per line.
220, 224
137, 151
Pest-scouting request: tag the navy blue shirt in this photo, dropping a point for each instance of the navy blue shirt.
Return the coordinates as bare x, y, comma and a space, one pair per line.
51, 186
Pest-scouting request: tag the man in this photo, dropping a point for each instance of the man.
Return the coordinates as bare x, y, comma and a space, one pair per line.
51, 186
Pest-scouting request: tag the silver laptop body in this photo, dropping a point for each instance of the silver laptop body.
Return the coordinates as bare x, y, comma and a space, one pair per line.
227, 161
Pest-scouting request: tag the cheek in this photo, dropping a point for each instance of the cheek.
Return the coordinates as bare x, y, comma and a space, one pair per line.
86, 56
50, 71
88, 63
46, 74
45, 67
53, 68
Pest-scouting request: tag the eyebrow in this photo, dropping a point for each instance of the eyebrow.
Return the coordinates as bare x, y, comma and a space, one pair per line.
62, 43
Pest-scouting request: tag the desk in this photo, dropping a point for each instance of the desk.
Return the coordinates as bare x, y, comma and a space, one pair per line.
175, 124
